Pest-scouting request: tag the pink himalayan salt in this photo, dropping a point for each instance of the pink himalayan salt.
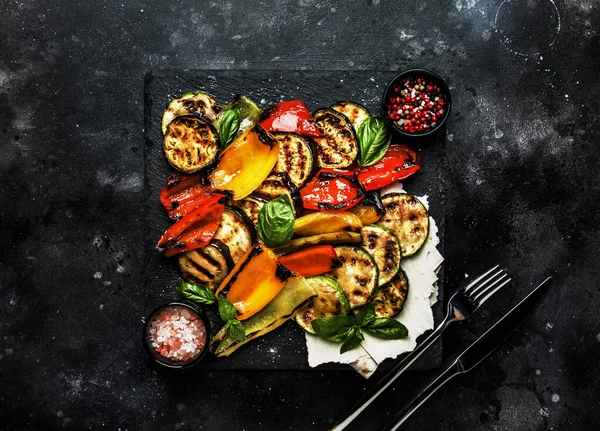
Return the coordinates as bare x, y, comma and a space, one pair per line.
177, 334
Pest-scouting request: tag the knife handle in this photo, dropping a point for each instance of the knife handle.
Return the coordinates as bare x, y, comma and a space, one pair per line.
426, 391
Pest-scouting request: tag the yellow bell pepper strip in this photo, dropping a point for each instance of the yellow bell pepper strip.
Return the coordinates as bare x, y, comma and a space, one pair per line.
325, 222
254, 281
292, 297
245, 163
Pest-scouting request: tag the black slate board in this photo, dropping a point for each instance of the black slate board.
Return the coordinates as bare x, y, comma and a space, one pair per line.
284, 348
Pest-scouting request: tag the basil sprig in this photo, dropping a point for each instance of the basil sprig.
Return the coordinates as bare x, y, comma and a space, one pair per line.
276, 221
229, 126
374, 138
196, 293
227, 312
348, 330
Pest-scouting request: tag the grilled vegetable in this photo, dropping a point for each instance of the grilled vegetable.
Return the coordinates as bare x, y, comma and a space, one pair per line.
207, 265
370, 209
389, 299
297, 157
199, 104
191, 143
325, 222
279, 184
276, 221
374, 138
383, 245
407, 217
236, 232
238, 116
338, 147
311, 261
330, 301
195, 230
332, 238
183, 193
250, 206
254, 281
357, 276
354, 112
398, 163
245, 163
332, 189
294, 294
290, 116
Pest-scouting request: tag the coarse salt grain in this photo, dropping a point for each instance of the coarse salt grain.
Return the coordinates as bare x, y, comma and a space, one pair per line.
177, 334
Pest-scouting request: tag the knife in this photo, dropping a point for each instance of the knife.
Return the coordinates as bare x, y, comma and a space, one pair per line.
476, 352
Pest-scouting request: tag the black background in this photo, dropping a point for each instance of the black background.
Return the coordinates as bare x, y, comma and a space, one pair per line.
522, 189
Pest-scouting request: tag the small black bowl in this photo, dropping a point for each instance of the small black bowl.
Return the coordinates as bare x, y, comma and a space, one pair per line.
168, 362
429, 76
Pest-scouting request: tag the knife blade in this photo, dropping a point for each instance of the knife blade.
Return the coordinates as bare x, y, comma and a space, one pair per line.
477, 351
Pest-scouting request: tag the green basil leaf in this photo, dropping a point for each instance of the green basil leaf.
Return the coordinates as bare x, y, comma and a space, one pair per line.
389, 330
196, 293
374, 138
227, 310
353, 340
276, 221
236, 330
229, 126
366, 315
333, 328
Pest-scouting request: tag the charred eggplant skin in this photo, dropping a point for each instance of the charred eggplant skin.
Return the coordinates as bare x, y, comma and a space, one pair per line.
338, 147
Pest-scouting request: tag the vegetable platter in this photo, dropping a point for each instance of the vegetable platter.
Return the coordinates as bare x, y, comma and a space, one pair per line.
283, 348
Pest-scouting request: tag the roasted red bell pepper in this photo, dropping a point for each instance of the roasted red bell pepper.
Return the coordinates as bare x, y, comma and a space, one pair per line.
311, 261
290, 116
194, 230
398, 163
332, 189
183, 193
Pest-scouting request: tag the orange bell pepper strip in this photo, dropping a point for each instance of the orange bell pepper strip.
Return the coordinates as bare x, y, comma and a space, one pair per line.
254, 281
245, 163
311, 261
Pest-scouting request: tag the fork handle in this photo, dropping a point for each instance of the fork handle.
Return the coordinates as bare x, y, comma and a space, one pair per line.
426, 391
392, 375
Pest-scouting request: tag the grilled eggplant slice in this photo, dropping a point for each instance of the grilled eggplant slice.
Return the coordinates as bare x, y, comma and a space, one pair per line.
338, 147
389, 299
407, 217
199, 104
385, 248
191, 143
279, 184
236, 231
333, 238
207, 265
357, 276
297, 157
370, 209
354, 112
330, 301
250, 206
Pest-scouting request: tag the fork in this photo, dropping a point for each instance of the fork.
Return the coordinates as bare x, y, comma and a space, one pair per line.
462, 304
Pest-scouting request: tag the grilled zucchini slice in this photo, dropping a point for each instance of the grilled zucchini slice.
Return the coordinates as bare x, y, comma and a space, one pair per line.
407, 217
354, 112
383, 245
206, 265
199, 104
332, 238
330, 301
297, 157
191, 143
279, 184
236, 232
389, 299
250, 205
338, 147
357, 276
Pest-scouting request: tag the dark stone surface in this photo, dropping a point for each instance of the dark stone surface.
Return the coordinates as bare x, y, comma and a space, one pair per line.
522, 190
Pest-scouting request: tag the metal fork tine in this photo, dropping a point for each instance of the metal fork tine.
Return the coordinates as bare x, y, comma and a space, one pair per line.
484, 296
490, 281
478, 279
